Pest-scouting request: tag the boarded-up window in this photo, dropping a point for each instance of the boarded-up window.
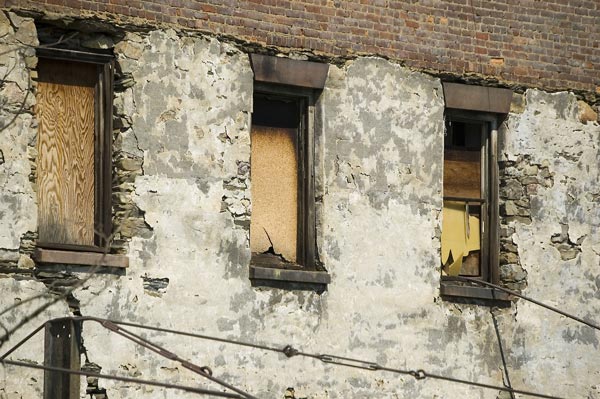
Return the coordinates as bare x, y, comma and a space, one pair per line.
274, 176
464, 197
73, 135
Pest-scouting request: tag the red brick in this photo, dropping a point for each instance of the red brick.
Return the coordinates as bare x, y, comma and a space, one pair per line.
555, 45
411, 24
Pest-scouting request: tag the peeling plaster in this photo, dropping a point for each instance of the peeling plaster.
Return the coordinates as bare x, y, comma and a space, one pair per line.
182, 148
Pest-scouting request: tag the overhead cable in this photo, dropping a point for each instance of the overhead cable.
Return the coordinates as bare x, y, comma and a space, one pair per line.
517, 294
205, 372
288, 351
124, 379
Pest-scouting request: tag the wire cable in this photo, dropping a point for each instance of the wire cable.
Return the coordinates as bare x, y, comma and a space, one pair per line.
205, 372
517, 294
124, 379
289, 351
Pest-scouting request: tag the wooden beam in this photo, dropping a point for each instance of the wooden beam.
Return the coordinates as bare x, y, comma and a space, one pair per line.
299, 276
61, 349
289, 72
80, 258
453, 289
477, 98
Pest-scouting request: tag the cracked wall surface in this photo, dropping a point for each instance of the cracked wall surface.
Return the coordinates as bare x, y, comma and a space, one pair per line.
558, 246
17, 197
182, 206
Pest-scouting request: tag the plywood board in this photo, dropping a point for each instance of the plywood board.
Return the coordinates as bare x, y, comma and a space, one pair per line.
274, 177
462, 174
65, 165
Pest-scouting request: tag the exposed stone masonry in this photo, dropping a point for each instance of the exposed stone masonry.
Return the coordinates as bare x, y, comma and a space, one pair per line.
93, 389
181, 209
17, 63
235, 200
155, 286
567, 248
128, 220
519, 180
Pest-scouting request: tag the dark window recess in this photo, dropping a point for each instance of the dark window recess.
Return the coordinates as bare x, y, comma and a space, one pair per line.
470, 221
74, 110
277, 112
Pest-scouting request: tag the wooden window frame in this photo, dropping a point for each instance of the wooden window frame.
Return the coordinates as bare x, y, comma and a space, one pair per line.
306, 269
450, 286
102, 160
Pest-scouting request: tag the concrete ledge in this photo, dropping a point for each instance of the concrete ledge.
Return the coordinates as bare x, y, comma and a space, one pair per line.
80, 258
297, 276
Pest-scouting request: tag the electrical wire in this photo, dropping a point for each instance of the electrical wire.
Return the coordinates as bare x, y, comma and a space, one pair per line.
517, 294
185, 388
289, 351
62, 39
205, 372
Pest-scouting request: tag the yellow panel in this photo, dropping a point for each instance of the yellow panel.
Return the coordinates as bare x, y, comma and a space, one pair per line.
274, 177
65, 164
456, 243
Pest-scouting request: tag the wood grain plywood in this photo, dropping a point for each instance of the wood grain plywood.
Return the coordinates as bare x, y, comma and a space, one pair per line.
274, 176
65, 163
462, 174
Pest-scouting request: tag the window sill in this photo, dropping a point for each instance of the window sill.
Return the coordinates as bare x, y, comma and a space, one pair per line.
51, 256
451, 289
268, 267
295, 276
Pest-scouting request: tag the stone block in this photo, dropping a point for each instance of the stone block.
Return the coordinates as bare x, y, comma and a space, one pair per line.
129, 49
509, 208
508, 257
529, 180
518, 103
586, 113
130, 164
512, 272
530, 170
25, 262
512, 190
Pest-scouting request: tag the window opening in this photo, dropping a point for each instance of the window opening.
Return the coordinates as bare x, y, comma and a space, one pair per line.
468, 239
282, 225
73, 108
275, 138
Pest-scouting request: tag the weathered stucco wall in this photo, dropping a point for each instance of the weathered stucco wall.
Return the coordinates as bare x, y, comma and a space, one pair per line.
17, 196
558, 248
182, 205
18, 212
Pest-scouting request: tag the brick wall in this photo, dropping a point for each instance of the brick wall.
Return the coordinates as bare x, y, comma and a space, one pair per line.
553, 44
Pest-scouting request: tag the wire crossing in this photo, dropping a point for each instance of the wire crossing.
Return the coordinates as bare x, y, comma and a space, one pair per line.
288, 351
140, 381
